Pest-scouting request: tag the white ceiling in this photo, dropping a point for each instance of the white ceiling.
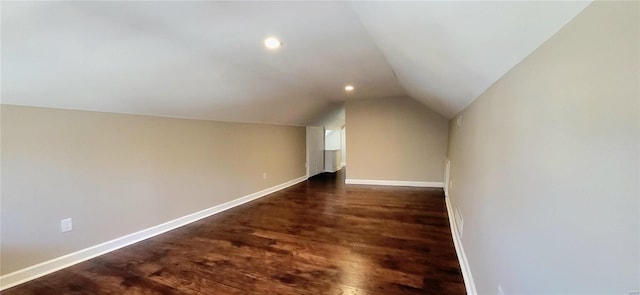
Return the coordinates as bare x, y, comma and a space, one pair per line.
447, 53
206, 60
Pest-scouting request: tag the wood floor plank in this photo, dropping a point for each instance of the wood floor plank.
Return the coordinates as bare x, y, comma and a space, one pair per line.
317, 237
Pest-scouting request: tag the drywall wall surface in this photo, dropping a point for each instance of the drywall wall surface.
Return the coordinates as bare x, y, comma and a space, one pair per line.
331, 117
333, 139
545, 164
395, 139
116, 174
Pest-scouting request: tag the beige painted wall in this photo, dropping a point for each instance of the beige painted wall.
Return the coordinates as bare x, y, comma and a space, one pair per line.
395, 139
115, 174
545, 166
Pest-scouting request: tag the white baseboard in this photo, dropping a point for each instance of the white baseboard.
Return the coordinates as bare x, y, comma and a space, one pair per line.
462, 257
47, 267
393, 182
333, 171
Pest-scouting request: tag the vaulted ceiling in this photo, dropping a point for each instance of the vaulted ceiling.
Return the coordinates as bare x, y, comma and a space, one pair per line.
206, 60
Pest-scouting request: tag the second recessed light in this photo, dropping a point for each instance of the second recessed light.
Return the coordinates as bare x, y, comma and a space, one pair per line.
272, 43
349, 88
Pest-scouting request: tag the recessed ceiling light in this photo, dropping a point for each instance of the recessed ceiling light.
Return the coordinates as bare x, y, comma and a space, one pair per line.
272, 43
349, 88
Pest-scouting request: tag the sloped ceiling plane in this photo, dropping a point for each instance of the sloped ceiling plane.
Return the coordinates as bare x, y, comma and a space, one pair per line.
207, 60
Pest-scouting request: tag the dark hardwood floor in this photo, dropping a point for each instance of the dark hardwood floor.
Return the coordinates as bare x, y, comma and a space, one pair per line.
317, 237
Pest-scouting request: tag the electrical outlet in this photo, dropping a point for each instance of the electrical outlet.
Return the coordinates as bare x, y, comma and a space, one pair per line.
264, 175
66, 225
500, 292
459, 120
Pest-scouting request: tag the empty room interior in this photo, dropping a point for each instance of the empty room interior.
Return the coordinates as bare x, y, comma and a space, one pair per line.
320, 147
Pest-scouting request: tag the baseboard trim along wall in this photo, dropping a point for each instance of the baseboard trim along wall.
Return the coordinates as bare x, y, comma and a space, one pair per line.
333, 171
47, 267
462, 257
394, 182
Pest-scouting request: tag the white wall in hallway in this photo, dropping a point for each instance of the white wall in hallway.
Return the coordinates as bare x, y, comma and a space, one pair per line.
333, 140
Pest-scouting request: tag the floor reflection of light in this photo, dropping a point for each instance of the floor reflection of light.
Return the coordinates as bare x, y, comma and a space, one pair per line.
353, 268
